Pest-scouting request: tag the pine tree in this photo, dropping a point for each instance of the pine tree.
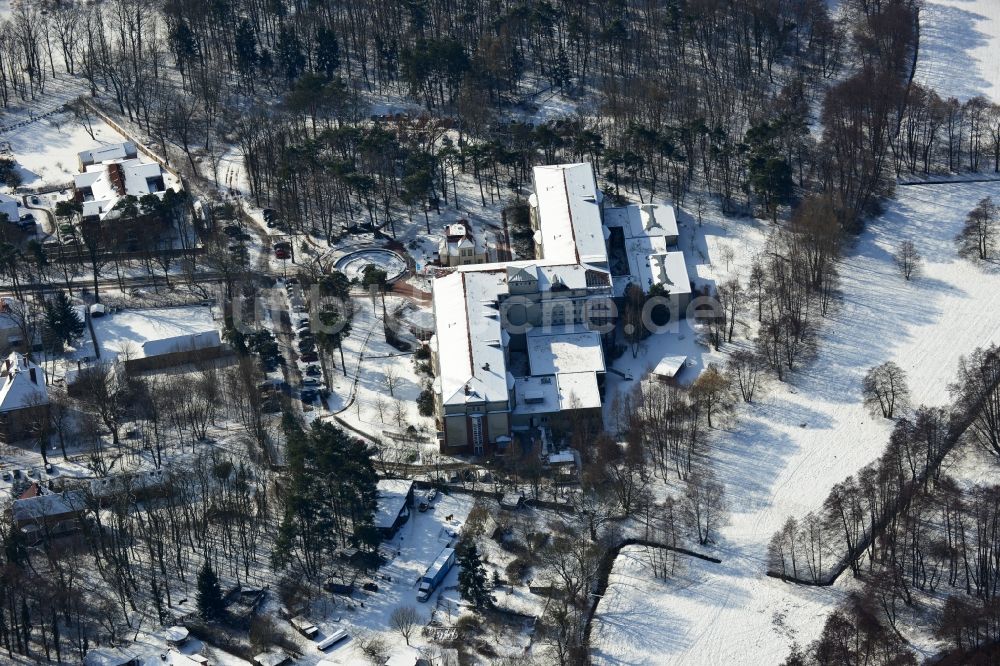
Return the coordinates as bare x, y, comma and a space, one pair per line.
472, 581
327, 52
210, 603
61, 320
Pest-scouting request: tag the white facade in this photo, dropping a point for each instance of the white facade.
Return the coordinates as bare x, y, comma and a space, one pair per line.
112, 172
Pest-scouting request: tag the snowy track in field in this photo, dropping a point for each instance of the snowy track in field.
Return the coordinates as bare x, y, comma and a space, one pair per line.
781, 456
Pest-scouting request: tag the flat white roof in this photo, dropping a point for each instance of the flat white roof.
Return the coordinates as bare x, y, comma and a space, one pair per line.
578, 390
113, 151
391, 500
184, 342
569, 207
669, 366
562, 350
536, 395
667, 269
469, 336
136, 178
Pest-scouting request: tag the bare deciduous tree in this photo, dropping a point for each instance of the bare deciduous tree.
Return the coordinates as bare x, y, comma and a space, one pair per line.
884, 389
405, 619
391, 378
977, 239
907, 259
745, 370
704, 504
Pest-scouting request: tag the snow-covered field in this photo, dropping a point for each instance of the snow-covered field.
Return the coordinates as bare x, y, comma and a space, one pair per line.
960, 48
46, 150
783, 454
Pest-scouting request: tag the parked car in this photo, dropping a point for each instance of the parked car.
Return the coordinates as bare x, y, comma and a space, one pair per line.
269, 214
309, 357
311, 382
231, 230
281, 253
308, 395
313, 371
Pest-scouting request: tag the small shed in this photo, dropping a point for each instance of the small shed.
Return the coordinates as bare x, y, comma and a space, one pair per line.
669, 369
275, 657
304, 626
512, 501
176, 635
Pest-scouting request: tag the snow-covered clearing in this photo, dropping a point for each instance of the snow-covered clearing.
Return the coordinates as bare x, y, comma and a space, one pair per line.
959, 47
782, 455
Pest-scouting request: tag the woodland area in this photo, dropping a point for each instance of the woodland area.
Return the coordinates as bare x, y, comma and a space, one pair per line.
722, 93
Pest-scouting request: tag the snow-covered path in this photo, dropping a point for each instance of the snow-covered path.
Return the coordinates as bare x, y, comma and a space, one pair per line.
783, 455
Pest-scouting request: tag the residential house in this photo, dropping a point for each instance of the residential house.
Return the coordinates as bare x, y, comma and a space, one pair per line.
24, 399
49, 514
460, 247
107, 175
395, 499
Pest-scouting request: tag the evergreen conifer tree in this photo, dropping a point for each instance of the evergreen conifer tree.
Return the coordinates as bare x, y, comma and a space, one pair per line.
472, 581
210, 603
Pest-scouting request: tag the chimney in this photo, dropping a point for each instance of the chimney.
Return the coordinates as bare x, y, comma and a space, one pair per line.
486, 367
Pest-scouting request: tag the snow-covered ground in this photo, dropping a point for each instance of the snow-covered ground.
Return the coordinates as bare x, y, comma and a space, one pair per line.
46, 149
783, 454
959, 47
418, 542
370, 358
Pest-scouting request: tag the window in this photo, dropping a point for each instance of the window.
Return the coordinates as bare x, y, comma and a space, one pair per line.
477, 435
